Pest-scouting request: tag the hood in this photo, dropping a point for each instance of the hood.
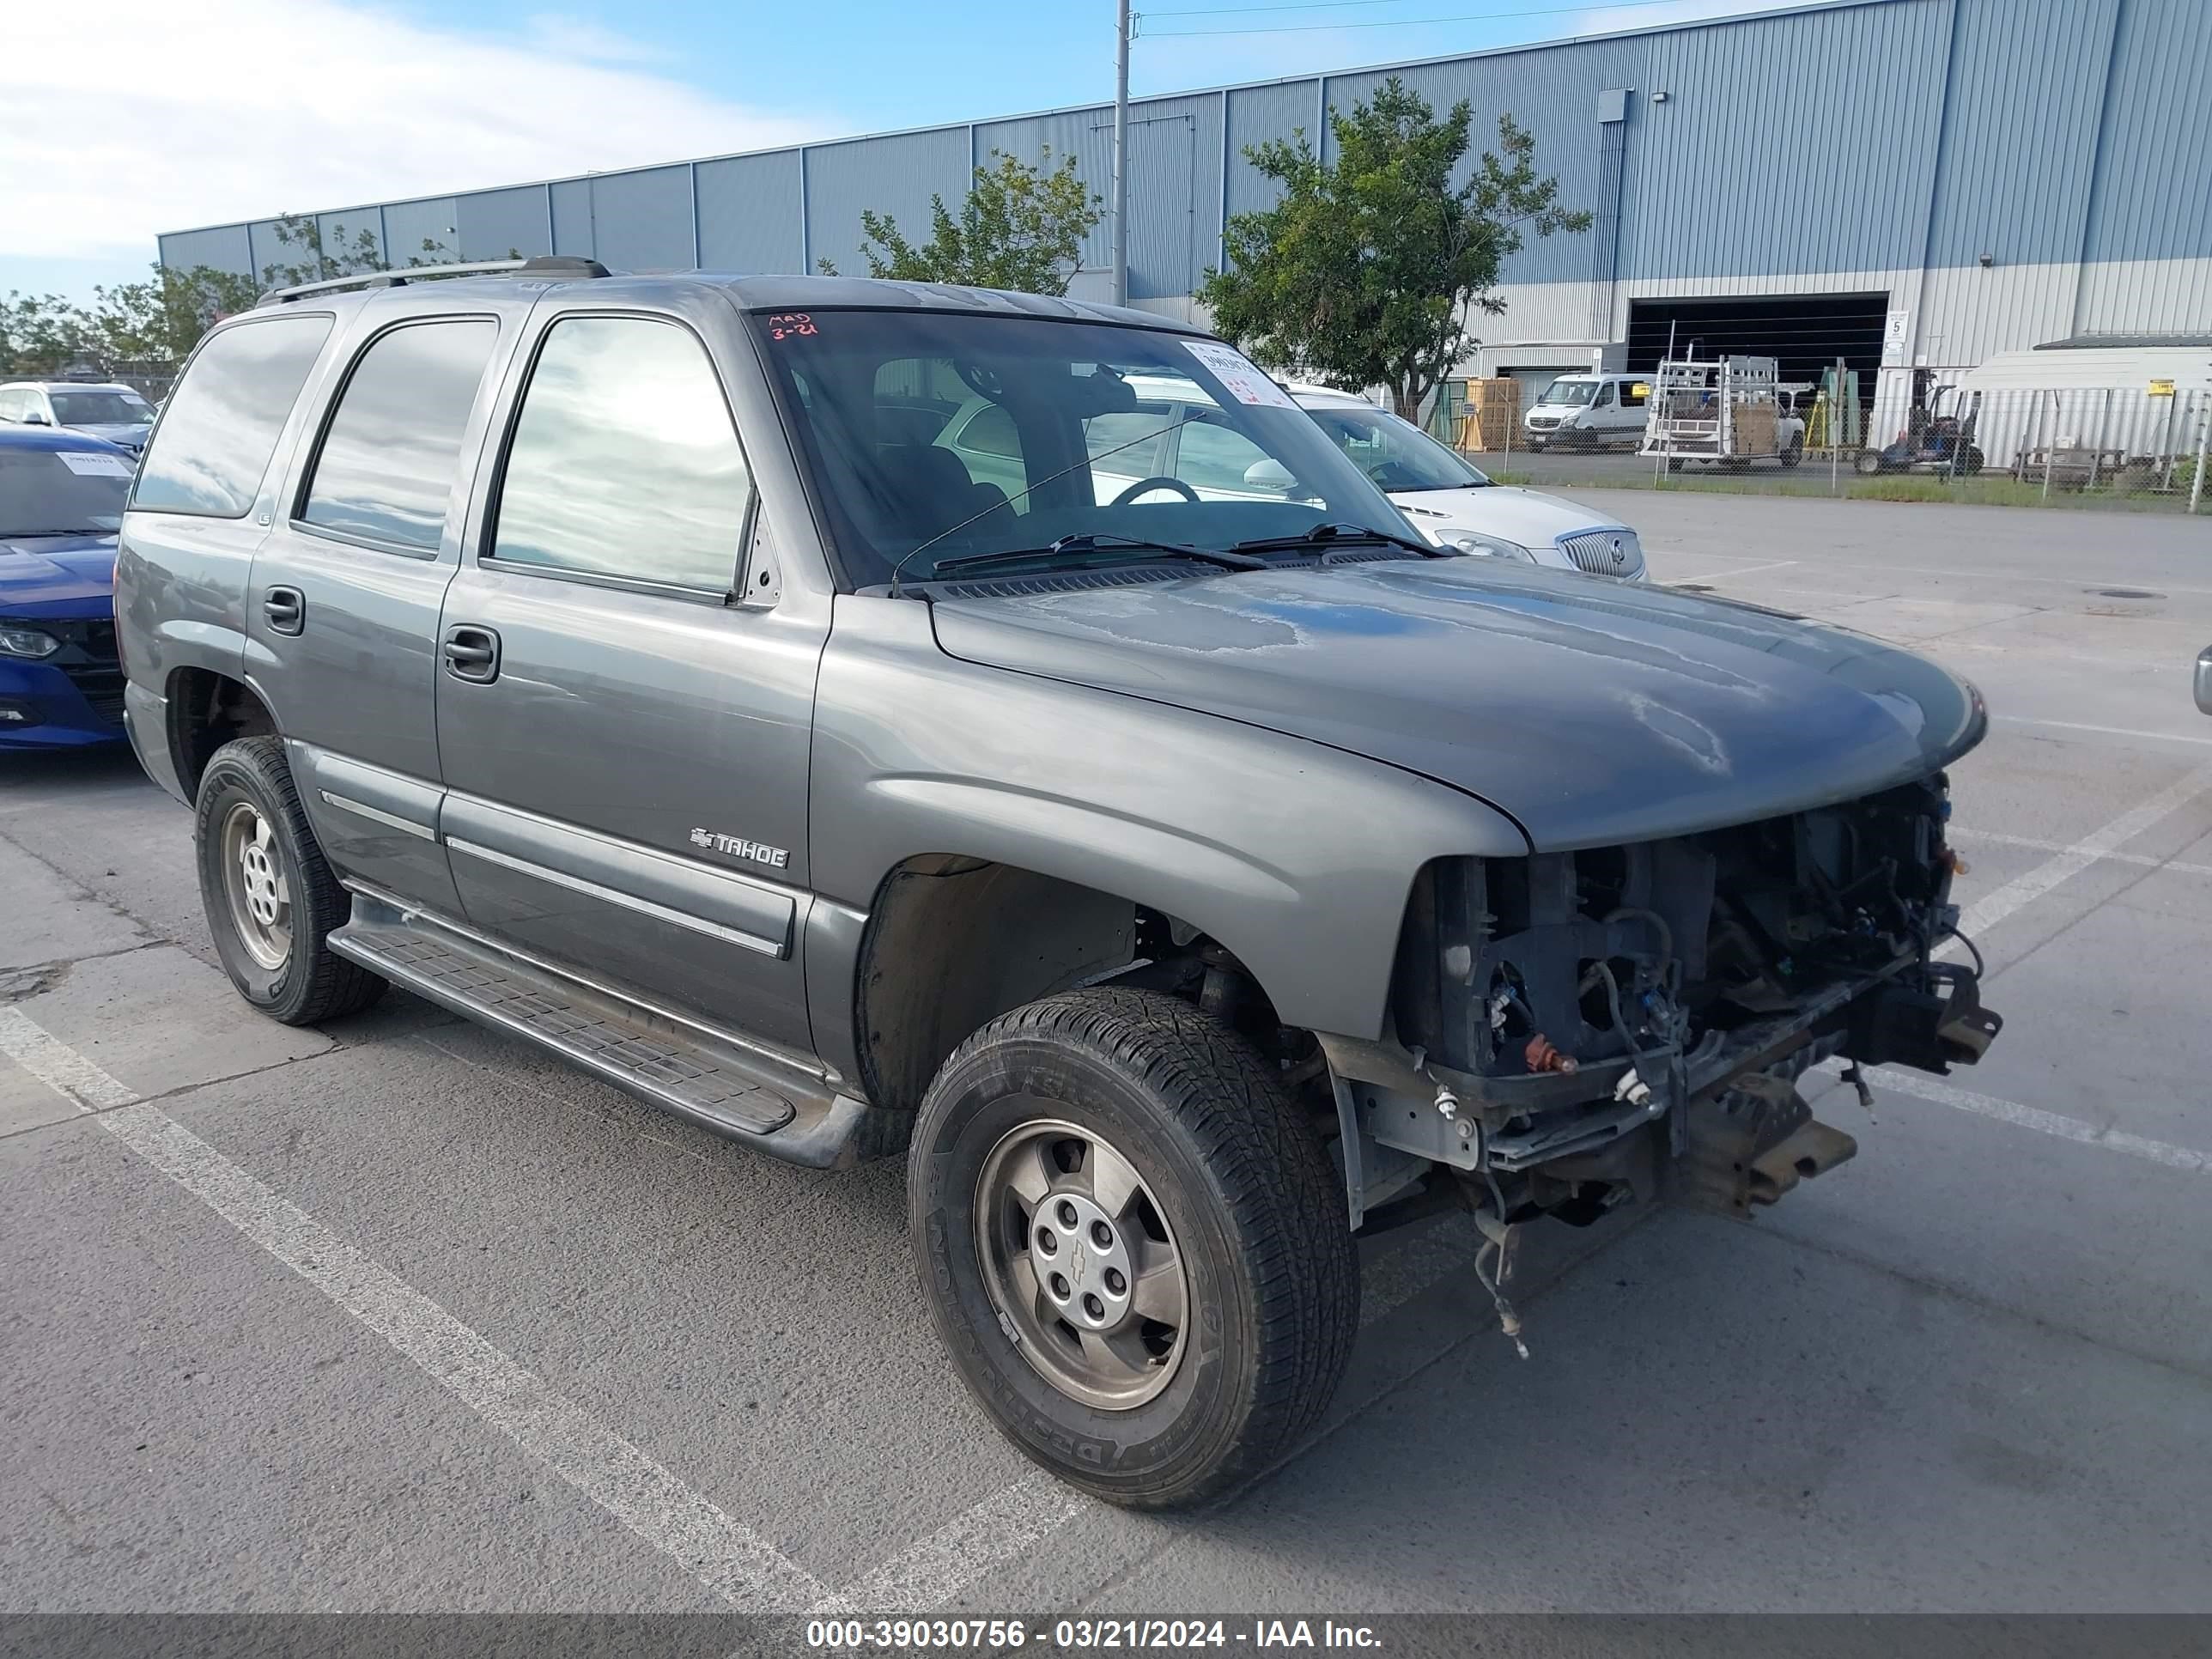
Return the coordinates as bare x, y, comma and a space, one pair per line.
130, 436
1527, 516
1594, 713
56, 575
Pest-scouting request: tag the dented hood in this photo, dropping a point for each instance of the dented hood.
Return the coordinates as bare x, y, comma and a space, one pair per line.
1593, 712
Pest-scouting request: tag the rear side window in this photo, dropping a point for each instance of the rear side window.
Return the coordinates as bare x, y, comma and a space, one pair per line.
388, 462
623, 461
222, 421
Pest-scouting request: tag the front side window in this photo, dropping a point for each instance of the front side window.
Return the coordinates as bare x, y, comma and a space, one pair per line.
223, 420
101, 409
1097, 414
389, 461
1395, 454
624, 461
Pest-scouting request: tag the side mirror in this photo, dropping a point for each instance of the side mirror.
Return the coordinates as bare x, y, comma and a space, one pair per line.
35, 417
1269, 474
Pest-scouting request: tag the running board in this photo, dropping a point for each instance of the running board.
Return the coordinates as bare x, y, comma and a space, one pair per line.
717, 1085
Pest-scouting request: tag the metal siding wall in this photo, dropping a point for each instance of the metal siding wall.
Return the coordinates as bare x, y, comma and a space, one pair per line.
340, 232
1788, 143
2020, 137
1087, 135
226, 248
572, 218
1551, 93
1257, 114
894, 176
409, 225
267, 251
1175, 194
494, 222
2155, 198
748, 214
642, 219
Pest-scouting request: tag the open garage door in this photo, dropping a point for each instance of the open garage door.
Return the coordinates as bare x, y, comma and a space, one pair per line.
1804, 333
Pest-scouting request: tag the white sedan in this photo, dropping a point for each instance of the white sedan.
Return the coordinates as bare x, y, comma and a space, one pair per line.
1456, 505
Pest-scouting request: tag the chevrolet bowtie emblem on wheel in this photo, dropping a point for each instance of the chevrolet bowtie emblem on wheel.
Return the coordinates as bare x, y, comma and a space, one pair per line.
739, 847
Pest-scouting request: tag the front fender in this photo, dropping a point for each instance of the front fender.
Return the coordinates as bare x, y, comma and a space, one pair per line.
1295, 856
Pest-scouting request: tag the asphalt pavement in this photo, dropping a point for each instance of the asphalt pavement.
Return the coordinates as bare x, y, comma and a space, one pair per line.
400, 1315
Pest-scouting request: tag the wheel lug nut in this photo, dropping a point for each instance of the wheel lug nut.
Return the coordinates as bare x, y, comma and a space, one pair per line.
1067, 1213
1046, 1243
1115, 1283
1102, 1235
1060, 1289
1094, 1307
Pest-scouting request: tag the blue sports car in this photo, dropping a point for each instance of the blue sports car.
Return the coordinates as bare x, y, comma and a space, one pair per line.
61, 504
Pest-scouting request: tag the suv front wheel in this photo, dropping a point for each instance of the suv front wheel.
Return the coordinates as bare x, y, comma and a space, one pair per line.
1132, 1243
270, 899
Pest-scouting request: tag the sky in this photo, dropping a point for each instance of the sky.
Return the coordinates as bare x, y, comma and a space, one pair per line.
168, 114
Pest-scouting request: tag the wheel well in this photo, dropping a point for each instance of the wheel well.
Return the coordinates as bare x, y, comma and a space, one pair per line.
953, 942
206, 711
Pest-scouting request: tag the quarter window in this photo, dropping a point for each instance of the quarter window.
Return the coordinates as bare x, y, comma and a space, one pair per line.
623, 461
222, 421
389, 461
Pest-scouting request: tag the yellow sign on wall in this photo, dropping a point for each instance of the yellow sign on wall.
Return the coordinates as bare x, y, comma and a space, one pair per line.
2161, 388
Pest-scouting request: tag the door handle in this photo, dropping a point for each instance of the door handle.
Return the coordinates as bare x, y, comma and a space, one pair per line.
286, 608
471, 653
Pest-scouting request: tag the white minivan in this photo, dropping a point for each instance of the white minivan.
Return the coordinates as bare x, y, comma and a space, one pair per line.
1587, 412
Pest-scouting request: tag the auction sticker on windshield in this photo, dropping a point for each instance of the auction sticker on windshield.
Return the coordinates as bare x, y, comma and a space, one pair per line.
1244, 380
91, 464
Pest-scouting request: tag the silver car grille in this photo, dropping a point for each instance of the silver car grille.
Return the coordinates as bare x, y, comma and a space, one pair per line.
1605, 552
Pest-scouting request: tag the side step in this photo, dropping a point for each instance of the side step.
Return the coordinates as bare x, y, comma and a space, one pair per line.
718, 1085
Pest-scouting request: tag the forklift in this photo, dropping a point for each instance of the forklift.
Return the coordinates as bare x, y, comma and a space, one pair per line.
1938, 435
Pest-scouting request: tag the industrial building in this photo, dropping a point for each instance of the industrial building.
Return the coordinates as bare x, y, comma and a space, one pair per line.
1890, 182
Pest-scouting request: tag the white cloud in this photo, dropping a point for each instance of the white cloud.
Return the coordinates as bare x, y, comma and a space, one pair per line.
147, 115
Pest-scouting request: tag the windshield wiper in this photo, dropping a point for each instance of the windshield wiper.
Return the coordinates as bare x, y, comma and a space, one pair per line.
1321, 535
1107, 542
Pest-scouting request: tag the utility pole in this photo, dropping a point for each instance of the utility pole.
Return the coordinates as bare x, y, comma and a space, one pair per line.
1125, 26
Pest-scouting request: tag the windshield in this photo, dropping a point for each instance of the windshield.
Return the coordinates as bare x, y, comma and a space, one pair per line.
100, 408
932, 436
1573, 393
61, 492
1393, 452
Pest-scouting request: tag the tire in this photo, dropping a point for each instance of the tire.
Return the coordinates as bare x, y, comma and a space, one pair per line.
245, 795
1970, 462
1232, 1180
1868, 462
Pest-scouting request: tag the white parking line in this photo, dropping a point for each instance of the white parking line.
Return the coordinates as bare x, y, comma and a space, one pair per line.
1993, 906
1741, 570
2108, 731
2038, 844
2042, 1122
736, 1563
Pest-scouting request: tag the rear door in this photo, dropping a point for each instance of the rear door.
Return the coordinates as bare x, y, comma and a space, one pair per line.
343, 619
625, 737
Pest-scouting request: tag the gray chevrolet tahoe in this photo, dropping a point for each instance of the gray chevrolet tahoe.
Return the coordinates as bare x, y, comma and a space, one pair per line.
846, 716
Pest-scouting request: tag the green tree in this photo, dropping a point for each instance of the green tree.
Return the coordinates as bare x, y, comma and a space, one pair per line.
162, 317
1022, 227
1370, 268
315, 258
41, 334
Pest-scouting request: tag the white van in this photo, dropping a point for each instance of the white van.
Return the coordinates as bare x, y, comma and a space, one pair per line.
1587, 412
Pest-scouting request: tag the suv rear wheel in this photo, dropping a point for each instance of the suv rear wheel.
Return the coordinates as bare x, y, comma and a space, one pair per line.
1132, 1245
271, 899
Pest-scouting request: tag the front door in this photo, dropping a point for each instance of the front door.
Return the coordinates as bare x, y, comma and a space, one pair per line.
625, 741
347, 587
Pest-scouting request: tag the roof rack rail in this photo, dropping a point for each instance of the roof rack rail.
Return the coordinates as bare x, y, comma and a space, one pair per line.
548, 265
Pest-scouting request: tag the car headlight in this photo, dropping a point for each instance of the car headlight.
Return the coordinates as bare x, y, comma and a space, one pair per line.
1491, 547
16, 641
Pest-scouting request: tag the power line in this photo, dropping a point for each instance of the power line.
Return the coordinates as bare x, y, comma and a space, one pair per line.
1390, 22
